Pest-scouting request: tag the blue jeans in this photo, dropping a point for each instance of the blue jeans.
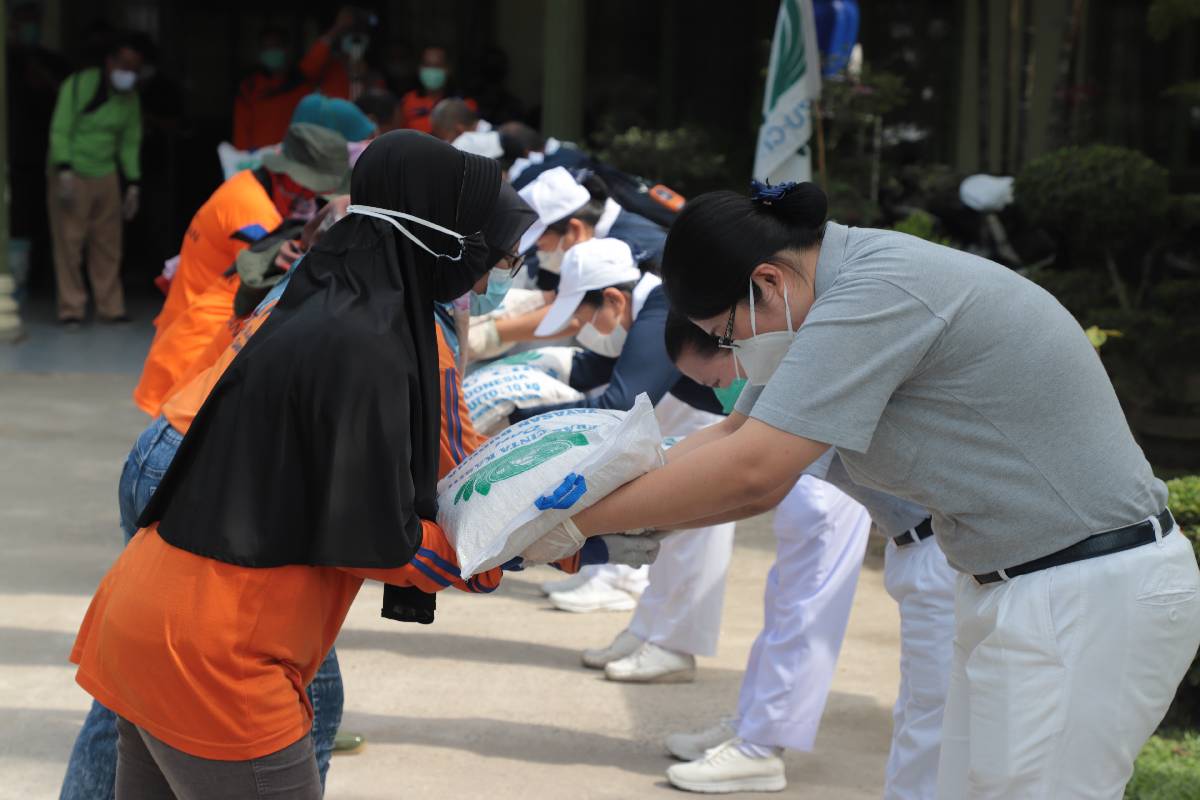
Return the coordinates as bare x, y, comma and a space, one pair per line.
92, 769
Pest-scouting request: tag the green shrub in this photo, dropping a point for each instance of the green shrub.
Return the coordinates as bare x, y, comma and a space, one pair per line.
1168, 768
685, 159
1185, 500
922, 225
1097, 197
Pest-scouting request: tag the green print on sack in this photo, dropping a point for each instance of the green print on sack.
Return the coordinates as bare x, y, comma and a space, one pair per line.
527, 357
521, 460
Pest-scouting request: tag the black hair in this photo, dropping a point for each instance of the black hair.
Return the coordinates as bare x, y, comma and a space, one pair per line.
453, 111
595, 297
592, 210
139, 43
517, 139
683, 334
377, 103
720, 237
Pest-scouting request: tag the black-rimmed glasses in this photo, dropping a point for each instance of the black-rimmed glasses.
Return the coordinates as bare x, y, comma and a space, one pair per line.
513, 262
726, 342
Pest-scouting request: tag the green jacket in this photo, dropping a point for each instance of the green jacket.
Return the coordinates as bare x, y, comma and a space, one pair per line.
94, 142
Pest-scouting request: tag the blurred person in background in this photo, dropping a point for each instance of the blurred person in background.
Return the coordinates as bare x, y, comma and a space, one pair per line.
453, 117
382, 108
267, 97
434, 77
95, 131
336, 64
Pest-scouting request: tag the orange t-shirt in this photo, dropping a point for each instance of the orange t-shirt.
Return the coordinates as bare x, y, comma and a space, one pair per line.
212, 658
175, 349
237, 214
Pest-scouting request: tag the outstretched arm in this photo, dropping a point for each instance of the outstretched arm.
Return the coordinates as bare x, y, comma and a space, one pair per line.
742, 469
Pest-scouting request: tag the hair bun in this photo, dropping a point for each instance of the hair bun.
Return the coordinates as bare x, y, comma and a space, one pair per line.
802, 204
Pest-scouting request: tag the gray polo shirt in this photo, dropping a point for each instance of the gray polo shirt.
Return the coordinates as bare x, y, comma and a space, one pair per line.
952, 382
891, 515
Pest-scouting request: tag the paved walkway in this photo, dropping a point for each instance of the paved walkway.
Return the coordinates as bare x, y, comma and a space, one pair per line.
488, 702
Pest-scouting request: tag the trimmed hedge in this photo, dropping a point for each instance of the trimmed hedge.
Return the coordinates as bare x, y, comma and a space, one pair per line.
1168, 768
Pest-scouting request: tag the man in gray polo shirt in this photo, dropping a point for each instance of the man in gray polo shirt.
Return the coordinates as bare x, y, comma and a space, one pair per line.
954, 383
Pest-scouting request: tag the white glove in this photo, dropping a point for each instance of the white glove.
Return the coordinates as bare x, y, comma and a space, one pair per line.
563, 540
483, 341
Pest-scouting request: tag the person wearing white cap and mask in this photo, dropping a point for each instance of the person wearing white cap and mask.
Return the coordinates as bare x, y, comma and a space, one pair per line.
571, 208
621, 315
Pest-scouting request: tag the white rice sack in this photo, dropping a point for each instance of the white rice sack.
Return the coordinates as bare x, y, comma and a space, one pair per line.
495, 391
521, 483
554, 361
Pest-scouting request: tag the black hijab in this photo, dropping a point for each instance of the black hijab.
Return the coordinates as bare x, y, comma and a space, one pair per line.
319, 444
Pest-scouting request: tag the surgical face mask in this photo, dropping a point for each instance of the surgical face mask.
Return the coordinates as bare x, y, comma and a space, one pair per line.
761, 354
450, 280
604, 344
551, 260
499, 281
390, 217
354, 45
728, 395
432, 78
123, 79
273, 59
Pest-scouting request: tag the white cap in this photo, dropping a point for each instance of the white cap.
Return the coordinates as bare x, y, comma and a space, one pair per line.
554, 195
594, 264
481, 143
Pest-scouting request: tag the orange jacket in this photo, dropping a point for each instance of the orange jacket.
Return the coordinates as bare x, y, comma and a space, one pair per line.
263, 109
174, 349
237, 214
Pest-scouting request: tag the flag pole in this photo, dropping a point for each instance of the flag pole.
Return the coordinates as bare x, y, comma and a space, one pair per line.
821, 145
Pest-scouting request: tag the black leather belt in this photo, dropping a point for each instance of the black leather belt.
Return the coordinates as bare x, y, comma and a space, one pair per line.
918, 534
1100, 544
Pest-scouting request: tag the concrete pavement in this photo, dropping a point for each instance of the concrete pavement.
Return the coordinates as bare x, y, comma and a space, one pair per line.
490, 701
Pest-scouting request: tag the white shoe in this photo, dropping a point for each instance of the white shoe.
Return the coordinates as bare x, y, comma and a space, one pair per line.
624, 645
653, 664
595, 595
566, 584
693, 746
726, 769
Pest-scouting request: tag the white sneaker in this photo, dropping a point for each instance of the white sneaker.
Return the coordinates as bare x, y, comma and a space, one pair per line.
624, 645
693, 746
595, 595
653, 664
566, 584
726, 769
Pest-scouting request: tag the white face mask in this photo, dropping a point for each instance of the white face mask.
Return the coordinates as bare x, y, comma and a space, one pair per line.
608, 345
123, 79
761, 354
388, 215
551, 260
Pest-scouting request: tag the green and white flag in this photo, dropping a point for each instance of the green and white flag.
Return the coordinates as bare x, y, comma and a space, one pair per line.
793, 86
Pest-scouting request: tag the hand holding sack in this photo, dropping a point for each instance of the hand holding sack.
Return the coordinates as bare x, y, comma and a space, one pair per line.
525, 482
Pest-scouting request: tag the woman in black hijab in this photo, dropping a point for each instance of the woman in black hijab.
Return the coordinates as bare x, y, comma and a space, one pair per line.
311, 467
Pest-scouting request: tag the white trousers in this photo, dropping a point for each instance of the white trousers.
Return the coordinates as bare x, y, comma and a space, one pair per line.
681, 607
921, 582
1060, 676
821, 537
